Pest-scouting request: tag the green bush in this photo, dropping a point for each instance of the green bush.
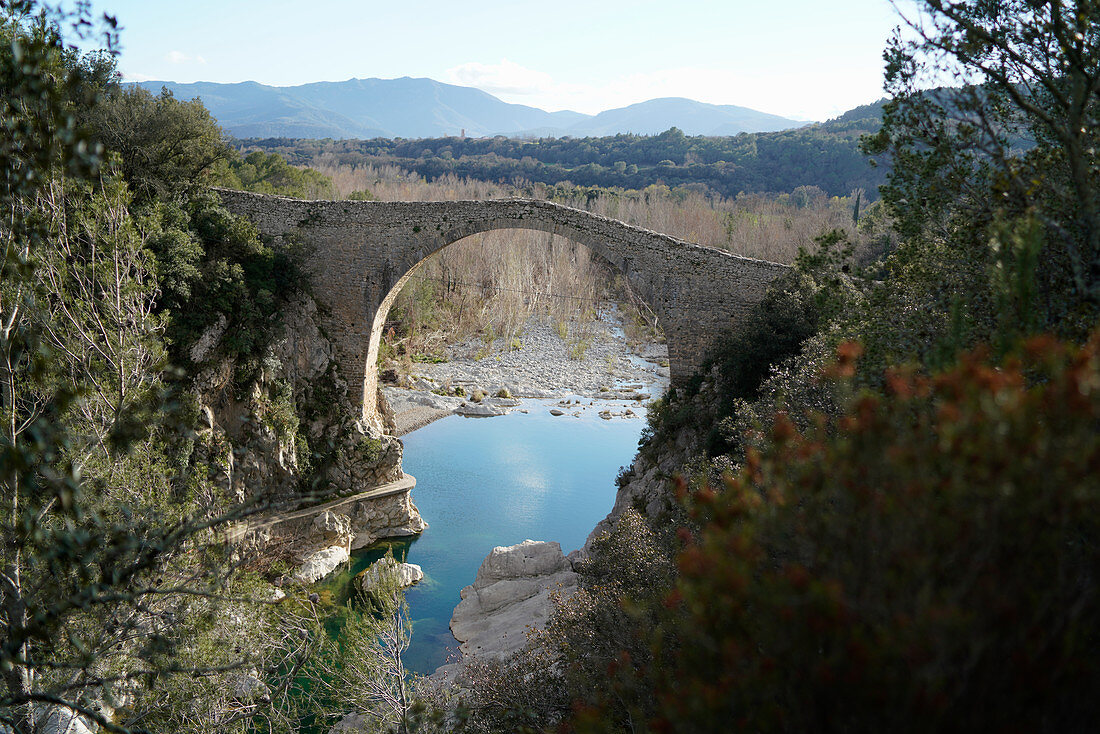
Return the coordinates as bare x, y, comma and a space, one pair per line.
269, 173
214, 265
371, 450
164, 147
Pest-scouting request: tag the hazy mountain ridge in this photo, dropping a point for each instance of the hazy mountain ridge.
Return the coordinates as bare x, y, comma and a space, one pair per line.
424, 108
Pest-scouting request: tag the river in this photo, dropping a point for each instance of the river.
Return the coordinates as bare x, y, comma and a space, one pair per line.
484, 482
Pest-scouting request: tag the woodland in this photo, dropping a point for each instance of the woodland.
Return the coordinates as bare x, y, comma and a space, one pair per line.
825, 155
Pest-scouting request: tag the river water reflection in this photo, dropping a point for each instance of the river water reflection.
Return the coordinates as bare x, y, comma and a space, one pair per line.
484, 482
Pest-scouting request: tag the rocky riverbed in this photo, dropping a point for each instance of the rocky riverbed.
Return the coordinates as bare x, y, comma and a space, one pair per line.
597, 370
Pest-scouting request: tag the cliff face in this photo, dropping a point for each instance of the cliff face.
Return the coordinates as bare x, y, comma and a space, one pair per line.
292, 435
648, 486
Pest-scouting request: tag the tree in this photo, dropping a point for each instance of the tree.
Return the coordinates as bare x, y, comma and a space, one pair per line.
98, 287
361, 672
165, 146
109, 578
41, 134
1018, 139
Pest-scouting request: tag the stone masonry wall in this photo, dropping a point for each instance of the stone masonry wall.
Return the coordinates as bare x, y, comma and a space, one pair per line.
361, 253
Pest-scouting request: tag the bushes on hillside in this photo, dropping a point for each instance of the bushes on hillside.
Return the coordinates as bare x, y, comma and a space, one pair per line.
271, 174
930, 566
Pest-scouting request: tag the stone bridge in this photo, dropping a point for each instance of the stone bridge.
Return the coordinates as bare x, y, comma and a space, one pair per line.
362, 252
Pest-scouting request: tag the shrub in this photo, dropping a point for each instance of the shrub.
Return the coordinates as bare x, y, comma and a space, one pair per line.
931, 565
370, 449
578, 349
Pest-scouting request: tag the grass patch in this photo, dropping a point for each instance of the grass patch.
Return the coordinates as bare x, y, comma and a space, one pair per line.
578, 349
429, 358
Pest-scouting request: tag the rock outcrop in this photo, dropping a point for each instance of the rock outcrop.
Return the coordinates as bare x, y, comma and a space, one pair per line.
511, 593
296, 426
394, 516
318, 564
406, 574
295, 418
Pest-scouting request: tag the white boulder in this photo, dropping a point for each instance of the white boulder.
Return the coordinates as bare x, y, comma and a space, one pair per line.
321, 563
511, 594
406, 574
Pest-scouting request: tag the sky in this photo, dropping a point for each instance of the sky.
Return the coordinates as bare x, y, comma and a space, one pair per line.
803, 59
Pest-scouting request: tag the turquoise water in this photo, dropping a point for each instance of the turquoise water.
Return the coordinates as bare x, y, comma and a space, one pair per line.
484, 482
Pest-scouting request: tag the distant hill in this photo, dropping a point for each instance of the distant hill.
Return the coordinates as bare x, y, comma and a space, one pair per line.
424, 108
823, 155
694, 118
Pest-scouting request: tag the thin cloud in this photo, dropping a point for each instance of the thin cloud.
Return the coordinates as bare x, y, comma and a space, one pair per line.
133, 76
179, 57
507, 77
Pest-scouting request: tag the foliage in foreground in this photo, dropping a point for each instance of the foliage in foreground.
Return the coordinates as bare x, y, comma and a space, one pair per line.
116, 596
929, 566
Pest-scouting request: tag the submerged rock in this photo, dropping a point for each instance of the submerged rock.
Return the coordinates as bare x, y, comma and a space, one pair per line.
480, 409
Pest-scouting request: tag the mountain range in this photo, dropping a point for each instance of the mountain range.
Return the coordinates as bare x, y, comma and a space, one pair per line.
424, 108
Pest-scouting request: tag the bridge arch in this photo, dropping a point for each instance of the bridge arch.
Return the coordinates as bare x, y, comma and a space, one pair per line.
361, 253
469, 229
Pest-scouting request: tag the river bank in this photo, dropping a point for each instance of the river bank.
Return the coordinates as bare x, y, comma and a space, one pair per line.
597, 369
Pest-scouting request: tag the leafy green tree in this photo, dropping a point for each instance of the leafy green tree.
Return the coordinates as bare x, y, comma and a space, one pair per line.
1018, 139
217, 270
166, 146
40, 134
110, 587
97, 283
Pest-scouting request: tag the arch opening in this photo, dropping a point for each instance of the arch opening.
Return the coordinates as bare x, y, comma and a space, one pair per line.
516, 272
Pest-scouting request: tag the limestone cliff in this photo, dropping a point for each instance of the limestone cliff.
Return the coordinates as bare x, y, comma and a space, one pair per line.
291, 434
648, 485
